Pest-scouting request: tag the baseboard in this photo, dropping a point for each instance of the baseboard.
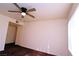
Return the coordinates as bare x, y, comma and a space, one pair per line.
10, 43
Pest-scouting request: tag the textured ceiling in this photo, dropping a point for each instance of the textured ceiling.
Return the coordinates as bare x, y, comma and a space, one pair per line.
44, 10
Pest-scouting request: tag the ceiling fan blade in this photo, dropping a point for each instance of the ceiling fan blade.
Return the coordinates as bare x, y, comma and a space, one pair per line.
30, 10
30, 15
14, 11
17, 6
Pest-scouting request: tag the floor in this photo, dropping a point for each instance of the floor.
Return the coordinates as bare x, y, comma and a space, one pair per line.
15, 50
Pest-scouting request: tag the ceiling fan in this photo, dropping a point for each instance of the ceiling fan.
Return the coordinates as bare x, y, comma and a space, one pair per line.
23, 11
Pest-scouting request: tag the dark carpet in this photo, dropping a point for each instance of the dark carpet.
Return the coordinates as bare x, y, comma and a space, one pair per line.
15, 50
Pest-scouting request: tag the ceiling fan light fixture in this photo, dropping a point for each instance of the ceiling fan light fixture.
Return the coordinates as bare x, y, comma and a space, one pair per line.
23, 13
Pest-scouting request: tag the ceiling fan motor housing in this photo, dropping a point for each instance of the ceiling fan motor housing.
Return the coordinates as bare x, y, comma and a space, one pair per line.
23, 9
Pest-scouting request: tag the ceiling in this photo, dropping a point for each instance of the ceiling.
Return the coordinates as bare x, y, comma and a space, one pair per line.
43, 10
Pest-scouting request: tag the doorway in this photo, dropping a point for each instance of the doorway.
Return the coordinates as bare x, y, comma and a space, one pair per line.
11, 33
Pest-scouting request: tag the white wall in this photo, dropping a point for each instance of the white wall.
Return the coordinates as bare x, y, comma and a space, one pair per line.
4, 21
73, 33
45, 35
3, 31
